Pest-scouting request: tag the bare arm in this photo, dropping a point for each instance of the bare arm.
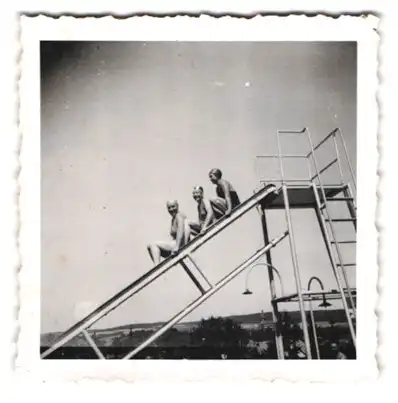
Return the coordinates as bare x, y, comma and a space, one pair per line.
227, 194
209, 215
180, 231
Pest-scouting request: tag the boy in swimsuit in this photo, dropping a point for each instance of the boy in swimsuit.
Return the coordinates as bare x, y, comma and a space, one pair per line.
205, 212
227, 197
179, 232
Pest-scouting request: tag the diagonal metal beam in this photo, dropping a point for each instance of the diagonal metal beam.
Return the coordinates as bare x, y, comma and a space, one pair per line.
192, 277
93, 345
195, 304
200, 271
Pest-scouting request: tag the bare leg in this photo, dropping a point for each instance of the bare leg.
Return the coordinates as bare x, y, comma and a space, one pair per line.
154, 253
194, 227
219, 206
160, 249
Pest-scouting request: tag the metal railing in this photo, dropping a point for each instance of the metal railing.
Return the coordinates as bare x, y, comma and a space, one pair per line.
315, 184
333, 135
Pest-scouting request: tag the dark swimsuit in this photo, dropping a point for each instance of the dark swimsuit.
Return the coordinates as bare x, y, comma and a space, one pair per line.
234, 196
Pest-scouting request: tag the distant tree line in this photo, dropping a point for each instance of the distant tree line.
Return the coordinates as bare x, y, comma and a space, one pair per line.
225, 334
218, 337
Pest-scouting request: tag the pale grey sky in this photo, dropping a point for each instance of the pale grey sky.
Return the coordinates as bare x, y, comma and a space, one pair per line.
126, 126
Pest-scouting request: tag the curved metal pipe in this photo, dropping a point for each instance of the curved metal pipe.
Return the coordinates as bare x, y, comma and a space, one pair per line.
324, 304
264, 264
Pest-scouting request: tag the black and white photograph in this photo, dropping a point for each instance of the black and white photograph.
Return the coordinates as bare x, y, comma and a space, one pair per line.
200, 197
198, 200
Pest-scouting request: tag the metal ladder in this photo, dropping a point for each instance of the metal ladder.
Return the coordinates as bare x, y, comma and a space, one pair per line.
328, 223
81, 327
317, 196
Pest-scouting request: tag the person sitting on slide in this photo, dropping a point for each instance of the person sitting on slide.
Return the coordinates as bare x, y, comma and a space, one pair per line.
205, 212
227, 197
179, 233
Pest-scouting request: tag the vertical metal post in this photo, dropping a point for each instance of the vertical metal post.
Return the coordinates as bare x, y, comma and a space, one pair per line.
294, 254
296, 271
348, 159
313, 326
280, 158
309, 169
338, 158
275, 312
351, 207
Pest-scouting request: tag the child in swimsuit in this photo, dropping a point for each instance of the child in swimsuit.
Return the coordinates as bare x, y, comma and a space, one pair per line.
227, 197
205, 212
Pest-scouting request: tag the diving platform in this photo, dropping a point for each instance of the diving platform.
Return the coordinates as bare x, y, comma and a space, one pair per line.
301, 196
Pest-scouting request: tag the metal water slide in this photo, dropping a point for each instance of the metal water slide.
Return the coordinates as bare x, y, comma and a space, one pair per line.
268, 192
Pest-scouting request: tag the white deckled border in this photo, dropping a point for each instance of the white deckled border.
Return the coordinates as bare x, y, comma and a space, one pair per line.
205, 28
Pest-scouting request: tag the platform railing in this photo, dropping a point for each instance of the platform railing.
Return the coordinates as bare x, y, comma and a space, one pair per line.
334, 135
315, 182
